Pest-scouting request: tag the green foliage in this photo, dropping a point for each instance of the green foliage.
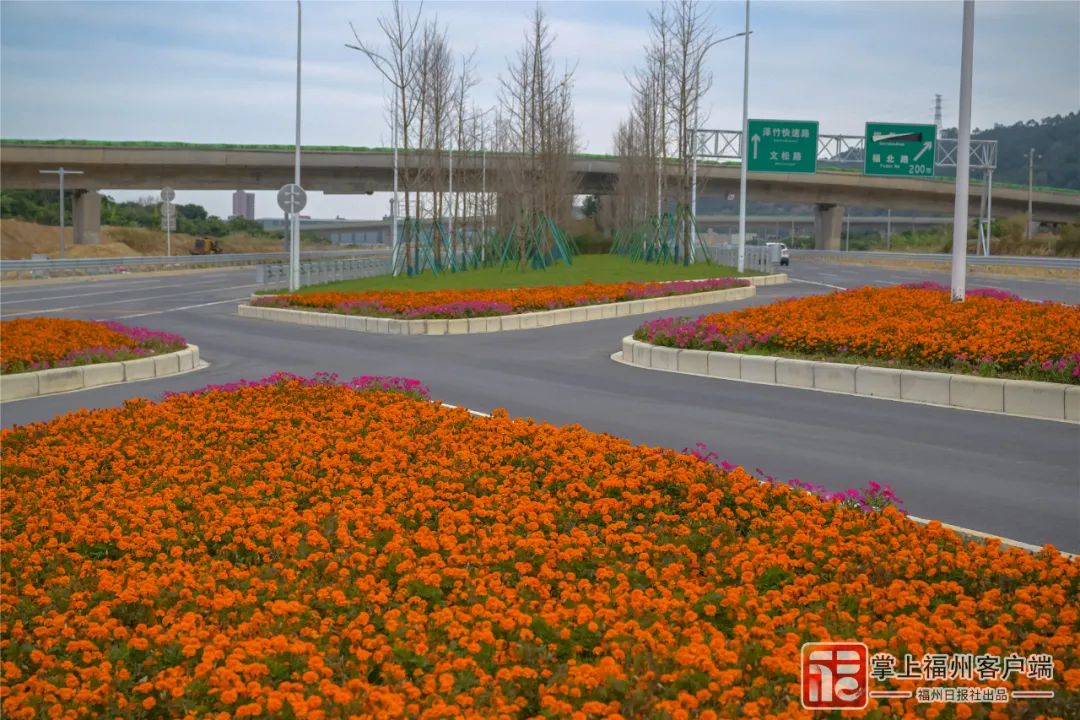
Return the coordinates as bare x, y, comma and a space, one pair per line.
37, 206
43, 207
1055, 138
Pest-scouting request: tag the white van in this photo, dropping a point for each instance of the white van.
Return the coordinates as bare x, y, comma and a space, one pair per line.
785, 256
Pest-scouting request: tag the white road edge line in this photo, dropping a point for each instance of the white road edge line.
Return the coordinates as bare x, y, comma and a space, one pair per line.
812, 282
176, 309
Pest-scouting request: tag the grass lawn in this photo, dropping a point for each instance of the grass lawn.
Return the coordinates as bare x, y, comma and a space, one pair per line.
595, 268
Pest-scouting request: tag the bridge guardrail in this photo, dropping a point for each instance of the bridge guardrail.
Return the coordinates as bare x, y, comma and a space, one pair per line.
98, 266
999, 260
324, 271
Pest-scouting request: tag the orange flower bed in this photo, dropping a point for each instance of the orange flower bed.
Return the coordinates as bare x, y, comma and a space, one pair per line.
486, 302
912, 326
39, 343
320, 552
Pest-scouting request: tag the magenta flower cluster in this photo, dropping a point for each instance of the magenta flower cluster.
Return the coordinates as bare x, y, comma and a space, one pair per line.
147, 337
393, 383
699, 334
873, 498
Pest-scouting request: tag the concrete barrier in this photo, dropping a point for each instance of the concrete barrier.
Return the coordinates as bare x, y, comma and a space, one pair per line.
21, 386
664, 358
1072, 404
1022, 398
925, 387
877, 382
794, 373
837, 377
1037, 399
977, 393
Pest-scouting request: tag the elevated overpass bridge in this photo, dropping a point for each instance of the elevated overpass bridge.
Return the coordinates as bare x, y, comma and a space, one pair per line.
345, 170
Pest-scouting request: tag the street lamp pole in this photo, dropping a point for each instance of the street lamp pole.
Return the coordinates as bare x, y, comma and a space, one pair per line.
394, 205
745, 141
693, 141
1031, 178
61, 172
294, 245
963, 158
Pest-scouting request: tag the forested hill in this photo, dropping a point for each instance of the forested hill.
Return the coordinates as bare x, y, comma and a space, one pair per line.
1056, 138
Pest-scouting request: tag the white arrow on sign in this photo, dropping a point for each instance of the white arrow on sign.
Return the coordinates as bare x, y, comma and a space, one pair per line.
926, 146
755, 140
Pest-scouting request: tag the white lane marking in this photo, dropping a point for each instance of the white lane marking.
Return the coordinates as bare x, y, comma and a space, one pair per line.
812, 282
104, 292
176, 309
128, 300
477, 413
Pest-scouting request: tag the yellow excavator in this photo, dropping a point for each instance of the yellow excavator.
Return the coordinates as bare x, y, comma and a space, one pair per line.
206, 246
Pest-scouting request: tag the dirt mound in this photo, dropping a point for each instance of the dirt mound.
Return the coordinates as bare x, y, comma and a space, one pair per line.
19, 240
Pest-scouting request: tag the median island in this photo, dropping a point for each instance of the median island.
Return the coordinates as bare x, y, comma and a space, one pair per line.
994, 352
492, 299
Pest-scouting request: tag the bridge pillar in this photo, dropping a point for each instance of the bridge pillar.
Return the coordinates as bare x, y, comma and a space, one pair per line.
828, 221
86, 217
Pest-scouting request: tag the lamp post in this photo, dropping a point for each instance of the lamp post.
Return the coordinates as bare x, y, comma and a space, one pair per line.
61, 172
294, 245
1031, 177
693, 140
745, 141
963, 158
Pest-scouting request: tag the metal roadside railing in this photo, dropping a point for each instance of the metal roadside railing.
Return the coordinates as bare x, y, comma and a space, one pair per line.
108, 265
324, 271
756, 257
1000, 260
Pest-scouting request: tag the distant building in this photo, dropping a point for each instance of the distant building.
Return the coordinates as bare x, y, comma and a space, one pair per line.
243, 205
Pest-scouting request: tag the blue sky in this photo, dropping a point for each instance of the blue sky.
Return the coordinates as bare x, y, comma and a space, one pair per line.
225, 71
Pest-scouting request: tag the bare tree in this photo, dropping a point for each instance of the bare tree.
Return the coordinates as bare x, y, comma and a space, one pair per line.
400, 70
691, 40
466, 81
537, 102
664, 113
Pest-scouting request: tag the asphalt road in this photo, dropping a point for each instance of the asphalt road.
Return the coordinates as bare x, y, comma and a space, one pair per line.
1010, 476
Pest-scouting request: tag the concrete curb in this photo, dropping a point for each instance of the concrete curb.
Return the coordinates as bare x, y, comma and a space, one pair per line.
1020, 398
22, 386
503, 323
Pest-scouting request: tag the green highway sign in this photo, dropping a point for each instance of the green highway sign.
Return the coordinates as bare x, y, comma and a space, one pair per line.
782, 146
900, 149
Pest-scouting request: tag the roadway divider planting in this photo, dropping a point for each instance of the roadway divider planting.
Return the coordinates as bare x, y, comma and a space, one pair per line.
42, 356
994, 352
398, 558
452, 312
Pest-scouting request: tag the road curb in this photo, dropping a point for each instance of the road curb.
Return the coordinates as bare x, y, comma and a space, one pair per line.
1018, 398
23, 386
505, 323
